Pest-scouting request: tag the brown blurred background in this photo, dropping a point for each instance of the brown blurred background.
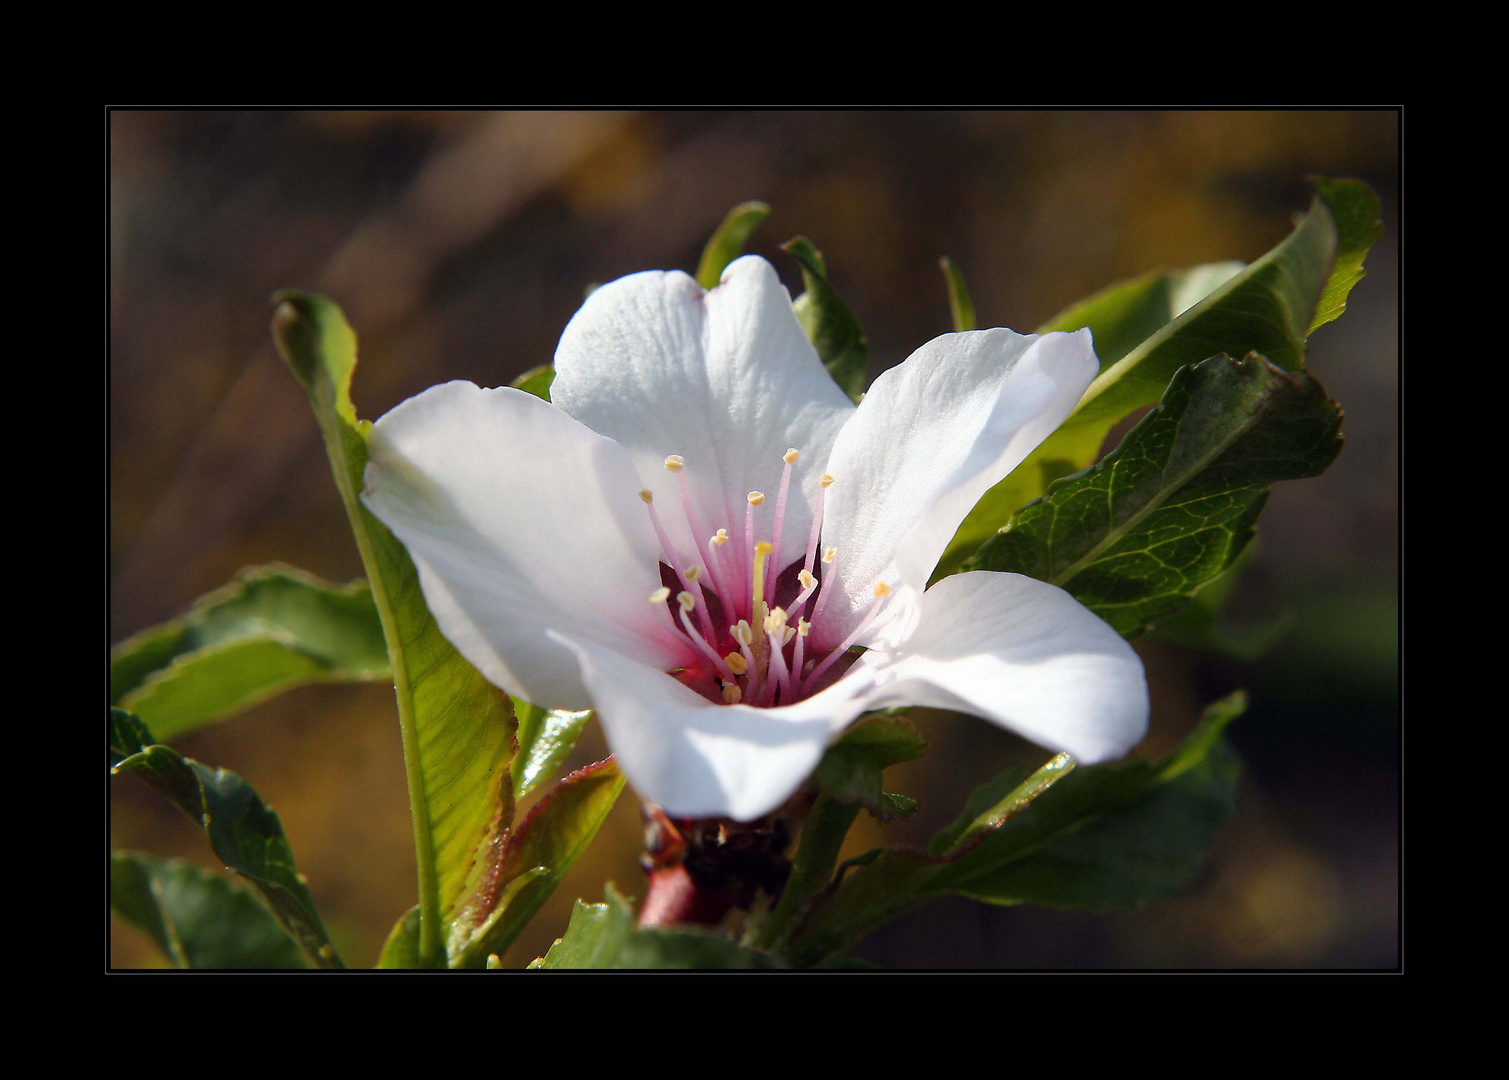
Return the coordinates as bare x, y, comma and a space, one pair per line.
460, 245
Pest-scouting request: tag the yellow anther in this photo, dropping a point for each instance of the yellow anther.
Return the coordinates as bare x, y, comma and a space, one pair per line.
741, 631
806, 578
882, 590
830, 555
756, 498
721, 538
647, 495
732, 695
790, 456
687, 601
660, 595
693, 573
775, 622
826, 479
803, 627
787, 636
674, 463
736, 663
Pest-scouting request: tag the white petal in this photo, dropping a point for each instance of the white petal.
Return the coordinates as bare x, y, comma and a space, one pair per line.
700, 759
520, 521
725, 378
929, 439
1025, 655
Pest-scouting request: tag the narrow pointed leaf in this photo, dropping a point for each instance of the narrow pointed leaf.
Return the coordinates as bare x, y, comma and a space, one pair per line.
1356, 209
727, 242
197, 917
243, 830
527, 865
458, 730
828, 322
401, 950
850, 771
546, 738
1175, 503
1148, 328
961, 305
1103, 837
271, 629
604, 936
536, 381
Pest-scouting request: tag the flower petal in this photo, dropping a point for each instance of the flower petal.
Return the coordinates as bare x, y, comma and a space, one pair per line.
725, 378
1026, 656
700, 759
519, 521
930, 438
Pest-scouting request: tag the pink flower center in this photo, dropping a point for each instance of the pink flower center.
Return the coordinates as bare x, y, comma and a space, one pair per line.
744, 616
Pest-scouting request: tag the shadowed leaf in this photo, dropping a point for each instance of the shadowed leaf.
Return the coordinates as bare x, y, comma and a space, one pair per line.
196, 917
243, 830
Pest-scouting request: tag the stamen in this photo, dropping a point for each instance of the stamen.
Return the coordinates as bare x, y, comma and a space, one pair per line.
660, 595
829, 579
732, 694
689, 578
686, 602
780, 523
809, 585
689, 509
736, 663
671, 558
780, 676
823, 483
720, 576
793, 682
882, 590
744, 635
693, 572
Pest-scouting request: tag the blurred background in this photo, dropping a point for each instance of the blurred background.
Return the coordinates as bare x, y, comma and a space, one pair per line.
460, 244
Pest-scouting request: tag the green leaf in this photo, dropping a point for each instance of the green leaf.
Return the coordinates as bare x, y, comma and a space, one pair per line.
401, 950
1174, 504
828, 322
727, 242
604, 936
1203, 624
850, 771
458, 730
269, 630
1104, 837
994, 802
960, 305
243, 830
536, 381
525, 868
1112, 837
1356, 210
823, 837
197, 917
546, 738
1148, 328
